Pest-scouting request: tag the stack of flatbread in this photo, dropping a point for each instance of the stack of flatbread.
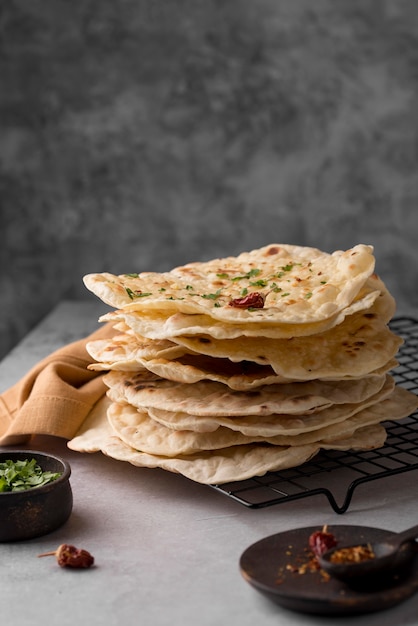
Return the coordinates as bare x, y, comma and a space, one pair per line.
231, 368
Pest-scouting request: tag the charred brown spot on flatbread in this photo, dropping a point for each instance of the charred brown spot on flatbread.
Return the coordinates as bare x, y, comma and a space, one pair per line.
273, 250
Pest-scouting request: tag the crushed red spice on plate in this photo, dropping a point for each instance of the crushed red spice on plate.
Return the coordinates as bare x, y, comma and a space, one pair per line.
319, 542
353, 554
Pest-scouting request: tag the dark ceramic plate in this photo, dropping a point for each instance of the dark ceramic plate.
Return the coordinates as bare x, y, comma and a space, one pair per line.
264, 566
34, 512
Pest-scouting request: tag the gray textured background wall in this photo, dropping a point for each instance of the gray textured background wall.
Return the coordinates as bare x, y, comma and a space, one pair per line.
141, 134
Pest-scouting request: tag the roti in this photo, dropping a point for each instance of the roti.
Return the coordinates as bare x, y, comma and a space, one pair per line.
138, 429
238, 462
221, 466
360, 345
281, 424
156, 324
144, 390
274, 284
128, 352
227, 369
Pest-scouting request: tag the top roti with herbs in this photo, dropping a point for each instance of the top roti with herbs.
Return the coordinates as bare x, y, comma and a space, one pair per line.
360, 345
278, 283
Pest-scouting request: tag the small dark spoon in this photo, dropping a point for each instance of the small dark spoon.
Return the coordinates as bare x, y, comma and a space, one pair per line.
391, 556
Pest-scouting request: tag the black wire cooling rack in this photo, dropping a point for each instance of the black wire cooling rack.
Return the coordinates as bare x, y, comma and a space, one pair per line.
335, 468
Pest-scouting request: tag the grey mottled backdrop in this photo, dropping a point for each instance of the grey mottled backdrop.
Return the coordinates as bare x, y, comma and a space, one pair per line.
141, 134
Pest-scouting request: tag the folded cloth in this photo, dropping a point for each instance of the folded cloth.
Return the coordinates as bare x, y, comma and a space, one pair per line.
55, 396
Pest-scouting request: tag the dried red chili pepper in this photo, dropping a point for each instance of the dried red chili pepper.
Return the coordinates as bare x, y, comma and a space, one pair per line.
70, 556
253, 300
321, 540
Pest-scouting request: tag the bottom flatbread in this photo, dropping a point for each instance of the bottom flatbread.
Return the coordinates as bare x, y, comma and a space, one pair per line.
238, 462
227, 465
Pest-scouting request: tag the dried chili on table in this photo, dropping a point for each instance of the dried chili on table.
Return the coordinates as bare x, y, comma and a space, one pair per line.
70, 556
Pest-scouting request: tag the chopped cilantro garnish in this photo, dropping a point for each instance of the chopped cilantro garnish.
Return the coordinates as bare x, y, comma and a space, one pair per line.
308, 295
23, 474
137, 294
286, 268
250, 274
212, 296
223, 275
134, 275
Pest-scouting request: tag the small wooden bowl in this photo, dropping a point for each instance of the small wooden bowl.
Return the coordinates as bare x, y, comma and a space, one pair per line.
40, 510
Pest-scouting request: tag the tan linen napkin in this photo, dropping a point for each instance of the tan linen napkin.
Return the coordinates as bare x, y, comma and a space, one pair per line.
55, 396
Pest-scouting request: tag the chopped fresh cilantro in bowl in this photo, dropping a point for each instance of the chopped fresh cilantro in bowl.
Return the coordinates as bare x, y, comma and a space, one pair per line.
23, 474
35, 494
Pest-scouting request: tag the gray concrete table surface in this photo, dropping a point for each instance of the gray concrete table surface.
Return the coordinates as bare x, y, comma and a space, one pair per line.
167, 549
